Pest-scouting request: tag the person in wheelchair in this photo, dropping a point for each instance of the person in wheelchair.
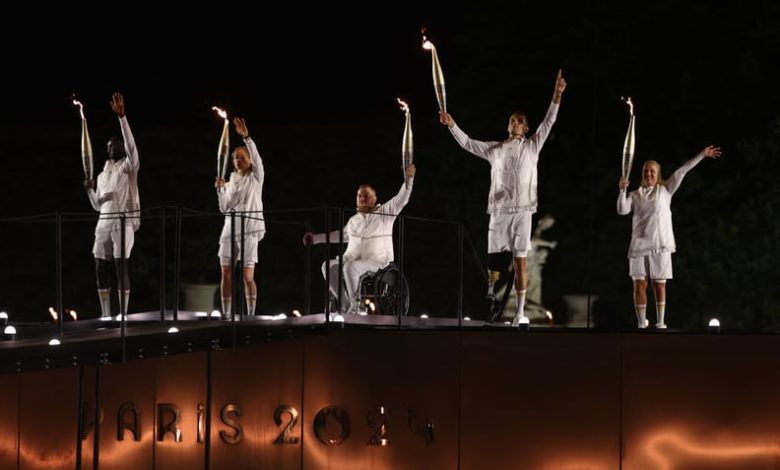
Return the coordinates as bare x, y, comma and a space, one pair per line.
369, 238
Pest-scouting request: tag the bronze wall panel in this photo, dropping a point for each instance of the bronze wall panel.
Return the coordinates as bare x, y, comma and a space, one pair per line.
259, 379
87, 443
701, 402
48, 424
180, 380
400, 370
132, 382
9, 420
540, 400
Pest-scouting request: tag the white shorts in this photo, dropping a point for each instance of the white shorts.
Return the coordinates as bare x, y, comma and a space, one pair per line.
510, 232
108, 244
250, 251
657, 267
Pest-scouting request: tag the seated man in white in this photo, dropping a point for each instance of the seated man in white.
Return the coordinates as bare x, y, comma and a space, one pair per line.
369, 238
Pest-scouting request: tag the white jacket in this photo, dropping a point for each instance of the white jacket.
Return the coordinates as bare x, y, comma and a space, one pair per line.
513, 162
651, 225
244, 194
369, 235
117, 188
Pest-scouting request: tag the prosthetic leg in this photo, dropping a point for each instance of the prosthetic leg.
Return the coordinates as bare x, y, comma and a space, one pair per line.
500, 276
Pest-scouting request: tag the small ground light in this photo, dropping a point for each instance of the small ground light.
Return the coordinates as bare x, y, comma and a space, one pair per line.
3, 318
173, 329
466, 318
714, 325
423, 316
54, 342
216, 314
10, 331
524, 323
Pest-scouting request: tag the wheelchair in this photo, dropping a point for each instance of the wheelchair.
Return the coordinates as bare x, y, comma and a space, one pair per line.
387, 289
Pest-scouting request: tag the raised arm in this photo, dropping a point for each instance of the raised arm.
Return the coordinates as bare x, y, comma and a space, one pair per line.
552, 111
623, 202
560, 86
89, 185
470, 145
673, 183
118, 106
257, 163
395, 205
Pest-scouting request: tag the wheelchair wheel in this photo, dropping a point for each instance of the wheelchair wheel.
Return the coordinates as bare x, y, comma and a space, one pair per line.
391, 292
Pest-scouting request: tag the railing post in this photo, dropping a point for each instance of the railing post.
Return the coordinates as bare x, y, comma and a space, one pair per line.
121, 283
327, 264
162, 264
400, 280
460, 274
177, 267
307, 274
58, 250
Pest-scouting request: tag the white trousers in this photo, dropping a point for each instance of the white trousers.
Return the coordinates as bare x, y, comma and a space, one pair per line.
352, 271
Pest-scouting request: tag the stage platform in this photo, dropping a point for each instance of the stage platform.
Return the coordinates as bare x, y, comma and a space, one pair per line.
150, 334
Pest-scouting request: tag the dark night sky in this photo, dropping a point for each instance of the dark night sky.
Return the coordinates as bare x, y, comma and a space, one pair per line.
319, 101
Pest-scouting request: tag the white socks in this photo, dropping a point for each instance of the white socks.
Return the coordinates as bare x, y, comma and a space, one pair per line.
105, 302
251, 301
126, 300
520, 313
226, 306
641, 315
660, 308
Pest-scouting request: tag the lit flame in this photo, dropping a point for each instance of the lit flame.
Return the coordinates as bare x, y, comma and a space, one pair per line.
53, 313
73, 314
223, 151
81, 106
438, 74
222, 113
427, 45
404, 106
630, 104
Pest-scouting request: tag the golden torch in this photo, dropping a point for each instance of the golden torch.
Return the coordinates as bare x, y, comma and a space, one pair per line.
407, 145
223, 152
438, 75
628, 143
86, 144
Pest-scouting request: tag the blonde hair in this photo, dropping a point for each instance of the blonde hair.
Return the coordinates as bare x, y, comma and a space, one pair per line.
657, 168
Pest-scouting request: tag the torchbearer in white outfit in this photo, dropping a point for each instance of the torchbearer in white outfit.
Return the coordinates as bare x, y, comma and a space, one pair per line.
652, 237
369, 238
243, 193
512, 198
115, 196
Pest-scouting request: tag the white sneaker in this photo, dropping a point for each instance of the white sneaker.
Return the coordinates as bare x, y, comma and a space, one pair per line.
517, 318
660, 326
